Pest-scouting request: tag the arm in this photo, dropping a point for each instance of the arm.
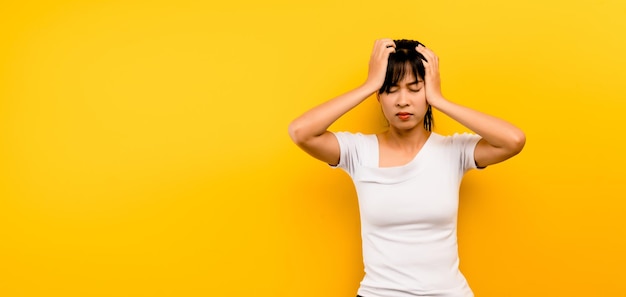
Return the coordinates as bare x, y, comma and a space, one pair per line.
500, 141
309, 131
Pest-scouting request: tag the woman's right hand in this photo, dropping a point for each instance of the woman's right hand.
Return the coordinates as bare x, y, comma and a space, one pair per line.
378, 63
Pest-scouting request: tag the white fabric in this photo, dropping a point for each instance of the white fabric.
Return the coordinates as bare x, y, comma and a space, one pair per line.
409, 215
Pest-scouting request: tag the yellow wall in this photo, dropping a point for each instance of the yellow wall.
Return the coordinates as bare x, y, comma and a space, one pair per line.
144, 147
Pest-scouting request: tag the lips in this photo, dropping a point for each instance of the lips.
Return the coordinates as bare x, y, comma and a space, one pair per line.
404, 115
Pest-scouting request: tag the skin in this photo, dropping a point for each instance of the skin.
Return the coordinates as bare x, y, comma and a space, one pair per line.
404, 107
500, 141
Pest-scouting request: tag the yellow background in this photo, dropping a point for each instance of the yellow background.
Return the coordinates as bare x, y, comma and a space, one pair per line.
144, 147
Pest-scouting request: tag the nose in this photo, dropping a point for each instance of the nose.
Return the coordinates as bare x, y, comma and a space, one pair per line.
402, 99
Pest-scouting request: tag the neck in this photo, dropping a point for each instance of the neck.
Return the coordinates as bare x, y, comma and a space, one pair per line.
411, 138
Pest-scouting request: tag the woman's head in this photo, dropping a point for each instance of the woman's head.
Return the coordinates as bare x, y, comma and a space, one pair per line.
404, 67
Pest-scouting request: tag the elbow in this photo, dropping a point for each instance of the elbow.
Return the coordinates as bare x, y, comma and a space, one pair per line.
518, 140
301, 133
295, 133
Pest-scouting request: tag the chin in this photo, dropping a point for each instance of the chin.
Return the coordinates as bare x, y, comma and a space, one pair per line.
406, 125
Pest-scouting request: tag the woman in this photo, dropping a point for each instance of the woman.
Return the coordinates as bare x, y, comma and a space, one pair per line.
407, 178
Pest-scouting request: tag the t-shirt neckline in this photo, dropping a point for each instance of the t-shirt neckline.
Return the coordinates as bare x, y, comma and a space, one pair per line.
417, 155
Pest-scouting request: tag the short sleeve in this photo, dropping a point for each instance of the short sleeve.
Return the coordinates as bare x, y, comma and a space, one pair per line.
354, 150
465, 143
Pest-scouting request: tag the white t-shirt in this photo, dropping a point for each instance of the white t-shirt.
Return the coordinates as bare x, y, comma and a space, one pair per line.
409, 215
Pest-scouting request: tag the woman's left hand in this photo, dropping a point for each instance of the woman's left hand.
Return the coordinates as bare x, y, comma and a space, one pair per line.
432, 81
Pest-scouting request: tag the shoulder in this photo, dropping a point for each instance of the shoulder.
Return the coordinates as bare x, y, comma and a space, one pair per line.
456, 139
355, 138
353, 134
355, 149
461, 146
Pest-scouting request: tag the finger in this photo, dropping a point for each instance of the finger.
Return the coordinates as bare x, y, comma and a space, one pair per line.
425, 58
384, 53
384, 42
429, 70
387, 48
378, 50
426, 52
421, 48
379, 42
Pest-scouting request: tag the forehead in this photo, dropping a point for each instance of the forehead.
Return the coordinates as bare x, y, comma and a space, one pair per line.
402, 73
408, 78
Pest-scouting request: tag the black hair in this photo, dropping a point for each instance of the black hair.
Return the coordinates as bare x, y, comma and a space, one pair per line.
405, 58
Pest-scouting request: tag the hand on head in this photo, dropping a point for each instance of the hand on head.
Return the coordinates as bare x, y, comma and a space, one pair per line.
378, 62
432, 80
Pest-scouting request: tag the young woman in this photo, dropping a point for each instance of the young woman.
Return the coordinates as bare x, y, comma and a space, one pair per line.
407, 178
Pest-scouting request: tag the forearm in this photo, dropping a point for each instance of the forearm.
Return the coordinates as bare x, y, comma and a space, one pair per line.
317, 120
497, 132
